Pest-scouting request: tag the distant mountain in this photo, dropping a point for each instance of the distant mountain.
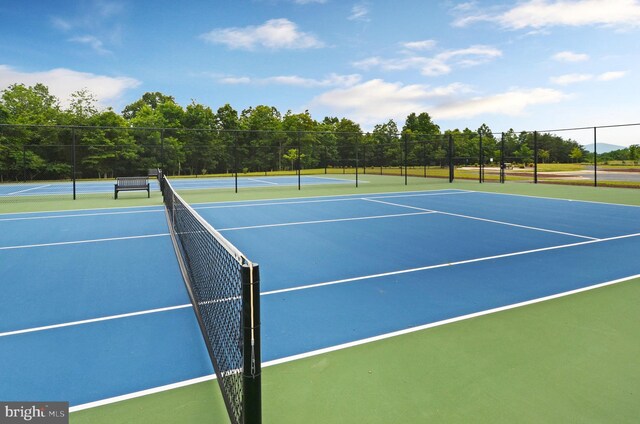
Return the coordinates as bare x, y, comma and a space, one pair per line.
603, 147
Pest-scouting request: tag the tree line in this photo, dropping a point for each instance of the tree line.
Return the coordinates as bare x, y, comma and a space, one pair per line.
40, 139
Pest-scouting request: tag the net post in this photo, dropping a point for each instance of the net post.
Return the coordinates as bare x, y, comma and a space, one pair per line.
252, 367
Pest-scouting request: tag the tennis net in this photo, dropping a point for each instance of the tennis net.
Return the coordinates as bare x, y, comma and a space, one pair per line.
224, 289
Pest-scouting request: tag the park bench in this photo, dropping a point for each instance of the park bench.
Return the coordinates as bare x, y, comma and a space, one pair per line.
132, 183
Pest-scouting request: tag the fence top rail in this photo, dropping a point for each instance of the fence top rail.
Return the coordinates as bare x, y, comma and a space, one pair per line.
287, 132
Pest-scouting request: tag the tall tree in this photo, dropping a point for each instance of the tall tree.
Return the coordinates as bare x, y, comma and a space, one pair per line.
82, 107
152, 100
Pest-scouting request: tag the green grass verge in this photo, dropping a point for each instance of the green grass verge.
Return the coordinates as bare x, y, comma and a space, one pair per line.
369, 183
572, 359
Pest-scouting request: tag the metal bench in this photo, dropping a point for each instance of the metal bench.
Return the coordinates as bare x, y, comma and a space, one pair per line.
132, 183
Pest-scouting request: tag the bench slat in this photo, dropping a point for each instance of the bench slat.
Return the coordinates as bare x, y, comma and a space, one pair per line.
130, 184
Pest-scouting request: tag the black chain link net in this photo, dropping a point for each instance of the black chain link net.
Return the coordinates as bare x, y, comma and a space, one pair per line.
214, 280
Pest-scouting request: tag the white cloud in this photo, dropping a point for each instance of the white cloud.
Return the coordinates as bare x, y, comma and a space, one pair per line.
547, 13
511, 103
230, 80
612, 75
567, 56
332, 80
97, 24
274, 34
576, 78
571, 79
96, 44
359, 12
61, 24
376, 100
439, 64
420, 45
63, 82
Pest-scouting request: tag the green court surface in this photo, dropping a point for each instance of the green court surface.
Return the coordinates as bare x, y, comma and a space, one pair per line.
570, 359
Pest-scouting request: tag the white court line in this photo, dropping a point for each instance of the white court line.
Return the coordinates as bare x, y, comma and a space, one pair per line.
28, 189
346, 280
447, 321
63, 243
417, 195
428, 267
92, 320
561, 199
81, 210
310, 200
486, 220
348, 345
142, 393
255, 180
323, 221
77, 215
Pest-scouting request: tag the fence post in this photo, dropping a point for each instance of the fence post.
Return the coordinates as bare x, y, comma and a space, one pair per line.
24, 162
502, 164
481, 158
595, 156
162, 150
406, 157
73, 160
535, 157
235, 159
298, 163
451, 172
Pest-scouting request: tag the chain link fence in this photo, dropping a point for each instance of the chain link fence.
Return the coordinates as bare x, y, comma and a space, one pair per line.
49, 160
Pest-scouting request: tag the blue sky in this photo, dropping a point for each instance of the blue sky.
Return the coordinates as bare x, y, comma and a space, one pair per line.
533, 64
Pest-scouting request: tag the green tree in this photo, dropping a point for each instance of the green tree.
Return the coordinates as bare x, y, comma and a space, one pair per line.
576, 154
543, 155
201, 140
257, 149
634, 152
152, 100
32, 152
82, 107
229, 122
348, 136
423, 137
107, 148
292, 157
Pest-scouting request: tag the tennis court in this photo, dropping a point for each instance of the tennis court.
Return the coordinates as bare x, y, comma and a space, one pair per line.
92, 187
95, 309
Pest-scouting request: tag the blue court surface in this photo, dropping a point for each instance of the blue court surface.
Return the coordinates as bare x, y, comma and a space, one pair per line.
93, 187
94, 306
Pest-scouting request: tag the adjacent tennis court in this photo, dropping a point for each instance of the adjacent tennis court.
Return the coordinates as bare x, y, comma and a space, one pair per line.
95, 309
93, 187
